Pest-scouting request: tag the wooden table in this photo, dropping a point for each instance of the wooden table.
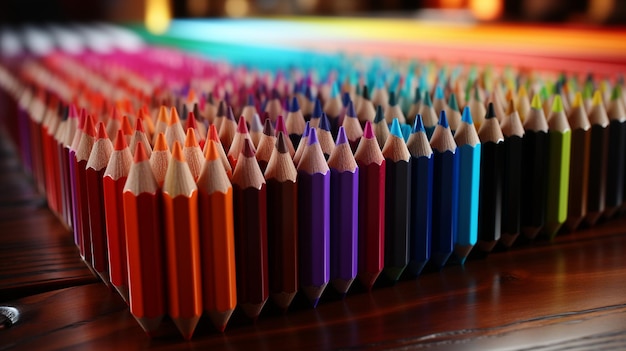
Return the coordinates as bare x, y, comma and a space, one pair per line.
570, 293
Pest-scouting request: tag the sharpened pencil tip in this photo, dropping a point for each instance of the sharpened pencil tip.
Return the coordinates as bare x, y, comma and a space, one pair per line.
453, 103
213, 135
211, 153
317, 110
380, 116
177, 152
101, 132
190, 138
295, 106
443, 120
89, 128
163, 117
242, 127
427, 101
365, 93
281, 144
395, 128
307, 130
161, 143
139, 125
230, 115
280, 125
324, 122
616, 93
392, 98
438, 92
174, 118
140, 153
467, 115
350, 110
418, 126
597, 98
126, 127
248, 148
578, 100
267, 128
557, 104
312, 137
491, 112
341, 136
536, 103
120, 141
368, 133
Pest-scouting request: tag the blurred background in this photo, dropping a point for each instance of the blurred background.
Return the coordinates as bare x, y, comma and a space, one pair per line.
587, 12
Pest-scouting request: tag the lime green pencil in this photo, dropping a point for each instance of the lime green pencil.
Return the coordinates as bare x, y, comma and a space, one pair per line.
559, 146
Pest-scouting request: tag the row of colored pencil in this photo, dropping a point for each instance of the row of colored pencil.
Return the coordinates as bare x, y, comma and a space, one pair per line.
206, 212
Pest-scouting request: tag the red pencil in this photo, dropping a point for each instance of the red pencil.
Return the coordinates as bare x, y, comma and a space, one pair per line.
238, 140
144, 244
113, 183
182, 242
160, 159
174, 131
250, 233
371, 164
193, 154
82, 156
212, 137
163, 120
96, 165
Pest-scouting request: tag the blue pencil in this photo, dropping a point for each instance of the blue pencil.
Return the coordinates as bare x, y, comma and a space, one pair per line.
420, 226
445, 192
468, 143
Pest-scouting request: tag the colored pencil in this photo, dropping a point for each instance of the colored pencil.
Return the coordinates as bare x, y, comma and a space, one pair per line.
217, 237
513, 132
274, 107
598, 157
316, 115
144, 244
560, 138
238, 141
249, 110
616, 173
469, 152
394, 110
371, 163
126, 129
420, 225
182, 243
352, 127
160, 159
212, 137
95, 168
313, 220
397, 202
365, 111
256, 130
491, 182
163, 120
228, 129
281, 127
266, 145
193, 154
344, 211
139, 136
295, 122
439, 104
429, 115
416, 106
477, 107
445, 192
302, 145
324, 136
249, 203
282, 225
174, 131
87, 138
380, 127
453, 113
535, 161
113, 182
579, 165
220, 115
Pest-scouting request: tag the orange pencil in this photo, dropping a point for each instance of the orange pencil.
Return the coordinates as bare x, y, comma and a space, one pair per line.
212, 137
174, 131
182, 242
144, 244
217, 237
113, 183
96, 165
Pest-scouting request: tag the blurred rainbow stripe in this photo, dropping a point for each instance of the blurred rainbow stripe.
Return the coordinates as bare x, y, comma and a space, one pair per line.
284, 41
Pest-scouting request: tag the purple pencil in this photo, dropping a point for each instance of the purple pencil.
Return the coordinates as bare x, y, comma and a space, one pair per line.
314, 220
344, 214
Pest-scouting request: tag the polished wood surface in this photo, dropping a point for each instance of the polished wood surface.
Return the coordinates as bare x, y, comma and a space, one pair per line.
569, 293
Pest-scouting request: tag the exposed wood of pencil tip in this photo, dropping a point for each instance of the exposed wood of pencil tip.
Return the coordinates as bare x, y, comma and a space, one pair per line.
247, 173
442, 140
141, 179
280, 165
213, 177
368, 151
342, 159
490, 131
512, 124
178, 178
466, 135
395, 149
101, 151
120, 161
418, 145
313, 161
